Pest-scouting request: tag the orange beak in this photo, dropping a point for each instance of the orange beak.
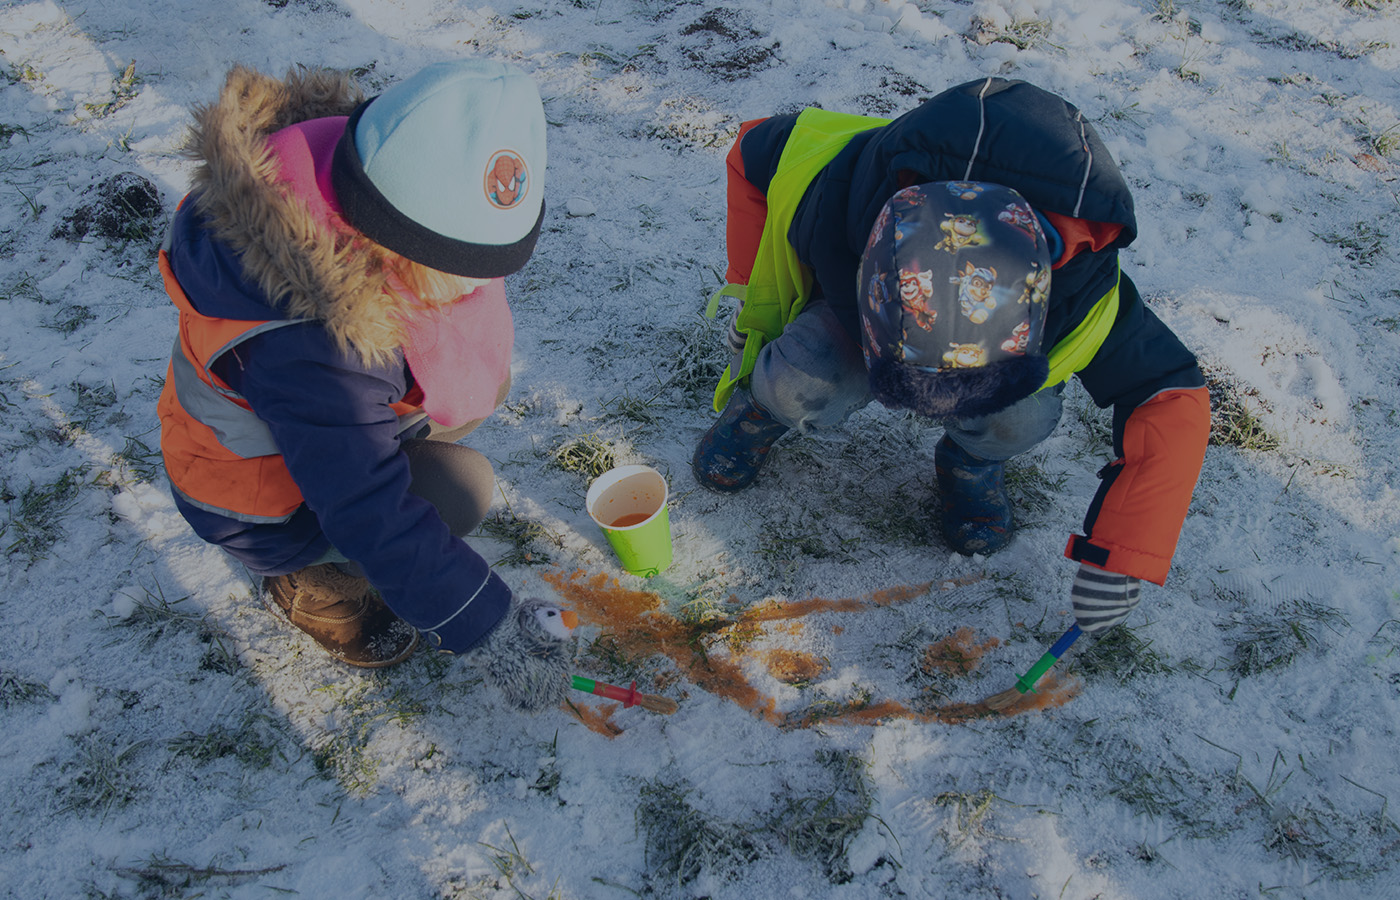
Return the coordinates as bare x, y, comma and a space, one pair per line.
569, 618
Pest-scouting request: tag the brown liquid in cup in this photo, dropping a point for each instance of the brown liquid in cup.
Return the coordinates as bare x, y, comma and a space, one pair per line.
631, 519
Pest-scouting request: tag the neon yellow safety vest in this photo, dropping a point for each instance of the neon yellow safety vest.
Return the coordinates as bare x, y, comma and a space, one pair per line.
780, 284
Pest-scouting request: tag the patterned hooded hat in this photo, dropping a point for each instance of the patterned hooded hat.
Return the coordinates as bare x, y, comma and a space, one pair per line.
954, 284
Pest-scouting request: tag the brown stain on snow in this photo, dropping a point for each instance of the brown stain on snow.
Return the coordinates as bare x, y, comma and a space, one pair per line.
598, 719
793, 666
635, 622
957, 654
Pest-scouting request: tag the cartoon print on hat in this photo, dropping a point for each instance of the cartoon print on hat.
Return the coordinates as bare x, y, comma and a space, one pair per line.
955, 281
1019, 340
965, 356
970, 237
960, 230
915, 291
1020, 215
1037, 289
966, 190
507, 179
975, 285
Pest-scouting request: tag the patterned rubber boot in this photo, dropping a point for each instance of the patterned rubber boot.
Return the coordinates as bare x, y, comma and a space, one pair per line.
732, 452
975, 508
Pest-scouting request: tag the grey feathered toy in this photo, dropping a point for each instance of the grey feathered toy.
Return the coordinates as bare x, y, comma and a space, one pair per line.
526, 656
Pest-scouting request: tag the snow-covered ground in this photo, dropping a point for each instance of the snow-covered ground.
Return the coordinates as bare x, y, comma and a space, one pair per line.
165, 736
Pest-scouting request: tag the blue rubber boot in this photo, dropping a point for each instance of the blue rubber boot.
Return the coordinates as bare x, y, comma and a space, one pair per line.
730, 455
975, 508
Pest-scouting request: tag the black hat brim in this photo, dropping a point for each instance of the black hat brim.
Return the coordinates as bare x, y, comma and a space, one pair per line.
369, 212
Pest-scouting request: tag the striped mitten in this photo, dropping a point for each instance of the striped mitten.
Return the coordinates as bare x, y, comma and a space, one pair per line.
1102, 599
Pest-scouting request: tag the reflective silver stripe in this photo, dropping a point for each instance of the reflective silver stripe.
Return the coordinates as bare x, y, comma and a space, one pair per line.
461, 608
981, 127
229, 513
239, 430
1088, 164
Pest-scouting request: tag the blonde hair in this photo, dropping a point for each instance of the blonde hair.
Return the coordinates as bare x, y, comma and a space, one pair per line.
432, 286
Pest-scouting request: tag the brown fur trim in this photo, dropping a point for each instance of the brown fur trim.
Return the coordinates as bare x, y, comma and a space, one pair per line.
302, 267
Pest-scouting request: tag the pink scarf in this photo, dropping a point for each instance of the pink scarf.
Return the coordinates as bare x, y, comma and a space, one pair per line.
459, 354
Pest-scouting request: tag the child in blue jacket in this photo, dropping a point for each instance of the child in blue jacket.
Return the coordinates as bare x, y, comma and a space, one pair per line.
337, 268
960, 261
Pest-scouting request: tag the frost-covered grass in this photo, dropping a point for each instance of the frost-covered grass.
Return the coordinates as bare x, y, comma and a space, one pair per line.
166, 736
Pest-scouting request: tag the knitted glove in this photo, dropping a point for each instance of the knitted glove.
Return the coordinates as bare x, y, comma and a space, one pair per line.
1102, 599
526, 656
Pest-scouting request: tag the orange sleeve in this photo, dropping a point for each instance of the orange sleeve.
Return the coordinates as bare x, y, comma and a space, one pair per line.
1080, 235
747, 211
1135, 521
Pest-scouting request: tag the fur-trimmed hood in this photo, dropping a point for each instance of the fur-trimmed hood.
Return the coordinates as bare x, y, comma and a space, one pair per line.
304, 268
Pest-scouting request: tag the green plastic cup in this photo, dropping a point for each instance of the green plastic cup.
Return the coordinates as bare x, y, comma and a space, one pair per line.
629, 504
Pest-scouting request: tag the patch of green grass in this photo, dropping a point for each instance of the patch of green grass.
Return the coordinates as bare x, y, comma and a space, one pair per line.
1166, 10
1362, 243
512, 867
1131, 112
589, 455
633, 409
696, 355
1119, 653
90, 401
1383, 142
897, 516
367, 705
165, 876
103, 777
25, 288
25, 74
254, 743
1232, 421
821, 826
34, 523
690, 123
124, 90
971, 813
546, 783
525, 536
15, 690
69, 319
152, 612
1171, 789
1303, 823
1023, 34
1273, 639
141, 461
859, 697
1032, 488
1388, 636
683, 843
612, 661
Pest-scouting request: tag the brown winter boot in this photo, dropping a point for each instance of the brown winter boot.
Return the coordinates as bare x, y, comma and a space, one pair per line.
344, 614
